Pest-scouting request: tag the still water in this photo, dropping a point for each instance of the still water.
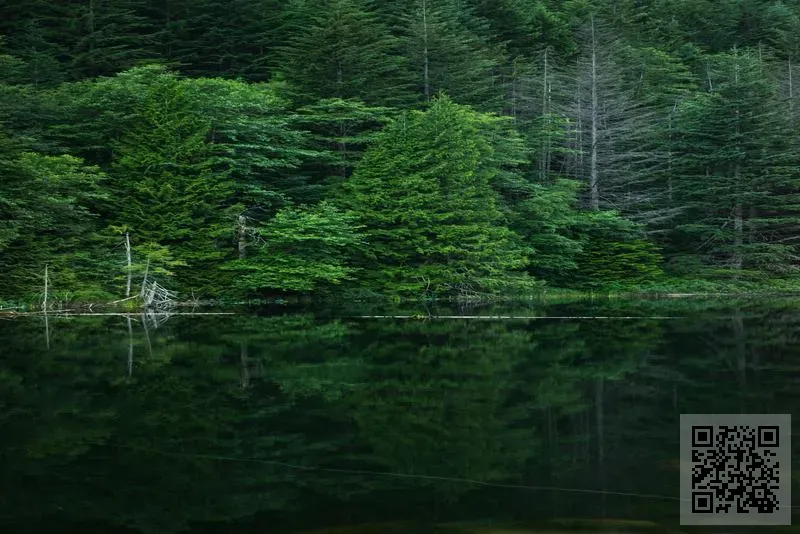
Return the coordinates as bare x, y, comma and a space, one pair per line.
293, 420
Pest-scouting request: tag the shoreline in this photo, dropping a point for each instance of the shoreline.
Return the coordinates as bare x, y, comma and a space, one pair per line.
554, 296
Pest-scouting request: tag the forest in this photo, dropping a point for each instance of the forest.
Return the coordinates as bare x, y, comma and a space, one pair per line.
241, 149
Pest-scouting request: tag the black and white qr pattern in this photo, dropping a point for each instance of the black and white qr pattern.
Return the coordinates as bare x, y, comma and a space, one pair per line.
735, 469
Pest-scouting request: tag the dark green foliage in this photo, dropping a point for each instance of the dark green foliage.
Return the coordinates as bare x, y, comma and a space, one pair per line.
340, 48
341, 130
252, 138
445, 48
111, 36
732, 175
613, 250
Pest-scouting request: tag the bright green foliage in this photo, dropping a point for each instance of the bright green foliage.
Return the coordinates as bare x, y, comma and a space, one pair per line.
433, 222
650, 103
341, 49
165, 188
299, 250
47, 206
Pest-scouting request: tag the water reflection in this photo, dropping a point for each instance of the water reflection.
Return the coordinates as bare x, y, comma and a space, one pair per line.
302, 422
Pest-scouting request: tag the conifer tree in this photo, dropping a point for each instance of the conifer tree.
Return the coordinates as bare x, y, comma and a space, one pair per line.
446, 48
340, 49
165, 188
432, 220
733, 177
48, 207
111, 36
340, 130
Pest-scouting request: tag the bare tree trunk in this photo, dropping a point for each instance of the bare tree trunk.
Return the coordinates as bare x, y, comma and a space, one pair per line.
46, 288
738, 222
738, 227
426, 65
44, 307
579, 130
144, 279
130, 270
791, 93
594, 192
242, 242
514, 91
670, 196
544, 164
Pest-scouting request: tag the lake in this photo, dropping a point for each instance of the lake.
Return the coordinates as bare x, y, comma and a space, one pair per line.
320, 420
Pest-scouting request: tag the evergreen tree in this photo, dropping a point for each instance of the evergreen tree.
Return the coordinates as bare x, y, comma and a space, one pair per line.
340, 49
299, 250
253, 140
112, 36
340, 130
446, 51
733, 177
165, 189
432, 220
47, 218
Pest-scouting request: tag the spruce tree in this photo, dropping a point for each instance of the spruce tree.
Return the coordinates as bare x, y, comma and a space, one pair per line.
165, 188
432, 220
340, 130
447, 50
733, 177
340, 49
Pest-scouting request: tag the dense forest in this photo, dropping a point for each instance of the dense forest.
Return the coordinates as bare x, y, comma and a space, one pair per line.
415, 148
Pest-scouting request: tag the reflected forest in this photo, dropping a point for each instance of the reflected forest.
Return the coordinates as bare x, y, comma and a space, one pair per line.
292, 422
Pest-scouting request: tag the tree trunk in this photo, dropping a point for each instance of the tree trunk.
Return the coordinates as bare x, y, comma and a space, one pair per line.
130, 270
544, 164
738, 231
242, 242
738, 222
594, 191
46, 288
426, 66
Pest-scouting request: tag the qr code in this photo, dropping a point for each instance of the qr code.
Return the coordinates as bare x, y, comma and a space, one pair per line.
737, 468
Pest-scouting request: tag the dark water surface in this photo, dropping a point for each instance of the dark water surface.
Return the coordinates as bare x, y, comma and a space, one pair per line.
317, 421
